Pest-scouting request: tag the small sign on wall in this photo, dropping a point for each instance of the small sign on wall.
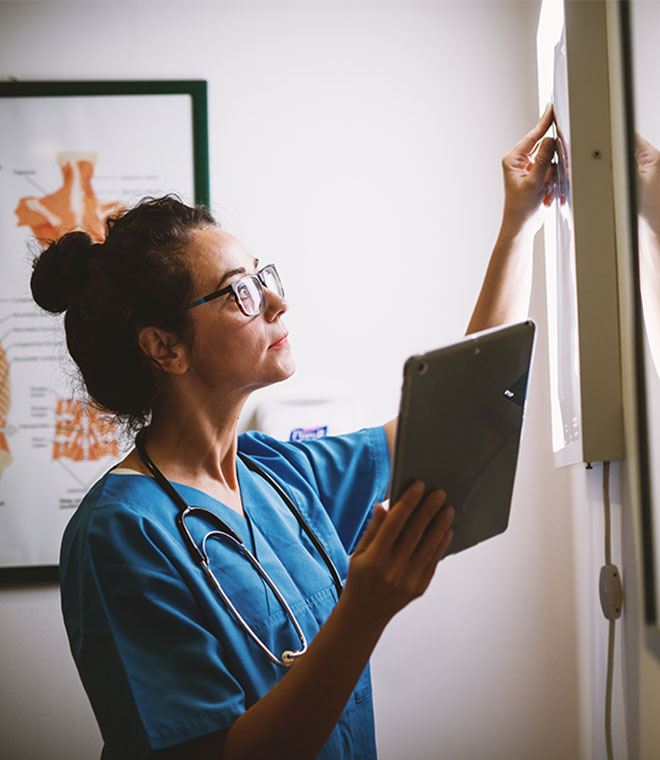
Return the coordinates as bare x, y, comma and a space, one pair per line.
301, 419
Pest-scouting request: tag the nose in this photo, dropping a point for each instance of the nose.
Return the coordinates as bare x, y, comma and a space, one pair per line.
276, 305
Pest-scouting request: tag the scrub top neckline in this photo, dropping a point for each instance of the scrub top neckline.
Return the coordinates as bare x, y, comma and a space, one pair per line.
242, 524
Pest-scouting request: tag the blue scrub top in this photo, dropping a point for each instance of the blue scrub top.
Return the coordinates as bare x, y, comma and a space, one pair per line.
161, 658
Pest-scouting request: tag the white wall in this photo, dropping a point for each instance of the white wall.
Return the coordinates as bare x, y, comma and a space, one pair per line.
352, 139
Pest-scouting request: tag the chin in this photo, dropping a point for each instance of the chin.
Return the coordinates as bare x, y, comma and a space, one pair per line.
288, 371
283, 372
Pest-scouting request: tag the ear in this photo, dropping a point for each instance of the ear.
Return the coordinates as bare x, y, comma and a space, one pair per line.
163, 350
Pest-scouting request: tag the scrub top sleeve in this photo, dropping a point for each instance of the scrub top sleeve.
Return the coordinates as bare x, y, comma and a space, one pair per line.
349, 472
170, 680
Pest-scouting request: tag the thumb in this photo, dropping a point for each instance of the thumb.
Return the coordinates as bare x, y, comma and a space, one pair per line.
542, 162
380, 513
543, 158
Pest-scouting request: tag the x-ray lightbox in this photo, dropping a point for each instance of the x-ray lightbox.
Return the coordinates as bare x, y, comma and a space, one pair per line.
580, 247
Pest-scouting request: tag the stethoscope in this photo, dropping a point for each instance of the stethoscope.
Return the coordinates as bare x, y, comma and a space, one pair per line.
223, 531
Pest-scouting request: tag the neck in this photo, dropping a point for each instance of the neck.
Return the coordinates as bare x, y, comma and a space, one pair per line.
195, 450
196, 447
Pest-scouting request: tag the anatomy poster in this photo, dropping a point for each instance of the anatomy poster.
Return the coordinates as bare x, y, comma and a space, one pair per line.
66, 163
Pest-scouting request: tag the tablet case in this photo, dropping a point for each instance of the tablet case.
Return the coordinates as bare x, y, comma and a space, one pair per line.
459, 427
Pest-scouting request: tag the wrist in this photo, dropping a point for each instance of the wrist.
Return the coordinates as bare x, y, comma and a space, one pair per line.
514, 232
361, 616
518, 218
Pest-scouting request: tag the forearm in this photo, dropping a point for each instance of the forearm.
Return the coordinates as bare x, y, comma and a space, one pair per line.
392, 564
529, 180
295, 718
506, 289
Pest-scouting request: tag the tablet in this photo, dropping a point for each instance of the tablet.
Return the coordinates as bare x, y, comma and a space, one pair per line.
459, 427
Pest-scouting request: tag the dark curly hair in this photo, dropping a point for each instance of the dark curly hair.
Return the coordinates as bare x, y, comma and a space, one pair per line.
137, 277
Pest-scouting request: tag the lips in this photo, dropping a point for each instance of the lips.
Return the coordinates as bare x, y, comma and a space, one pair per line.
281, 343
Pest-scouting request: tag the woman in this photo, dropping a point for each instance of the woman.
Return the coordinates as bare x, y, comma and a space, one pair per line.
173, 324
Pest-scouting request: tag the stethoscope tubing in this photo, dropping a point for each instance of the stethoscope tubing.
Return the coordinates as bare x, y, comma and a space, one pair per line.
200, 556
336, 579
288, 656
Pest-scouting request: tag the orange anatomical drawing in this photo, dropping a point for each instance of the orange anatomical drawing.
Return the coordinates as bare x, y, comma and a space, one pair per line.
5, 454
83, 433
74, 206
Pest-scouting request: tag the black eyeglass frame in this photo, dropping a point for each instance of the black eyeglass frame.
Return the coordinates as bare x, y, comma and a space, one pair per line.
258, 278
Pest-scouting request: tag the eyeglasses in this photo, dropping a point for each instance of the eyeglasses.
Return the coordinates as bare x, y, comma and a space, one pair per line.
249, 291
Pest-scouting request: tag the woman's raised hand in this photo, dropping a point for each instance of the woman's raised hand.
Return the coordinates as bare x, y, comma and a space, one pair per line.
397, 556
529, 177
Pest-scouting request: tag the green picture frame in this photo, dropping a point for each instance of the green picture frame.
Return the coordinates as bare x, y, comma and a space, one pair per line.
141, 112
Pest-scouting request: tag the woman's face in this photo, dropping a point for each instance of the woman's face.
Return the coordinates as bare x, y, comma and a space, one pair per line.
230, 351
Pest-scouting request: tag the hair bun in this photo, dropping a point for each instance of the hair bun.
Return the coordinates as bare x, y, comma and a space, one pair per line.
60, 271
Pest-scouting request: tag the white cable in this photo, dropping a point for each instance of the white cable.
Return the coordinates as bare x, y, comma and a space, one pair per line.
608, 692
610, 643
606, 504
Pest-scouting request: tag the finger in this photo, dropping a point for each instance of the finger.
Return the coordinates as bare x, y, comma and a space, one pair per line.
440, 540
645, 153
432, 547
417, 524
436, 533
538, 170
428, 572
449, 534
526, 145
641, 143
438, 554
546, 152
372, 529
399, 514
550, 190
446, 543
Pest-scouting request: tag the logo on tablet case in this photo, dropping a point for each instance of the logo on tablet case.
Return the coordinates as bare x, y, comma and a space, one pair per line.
516, 392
